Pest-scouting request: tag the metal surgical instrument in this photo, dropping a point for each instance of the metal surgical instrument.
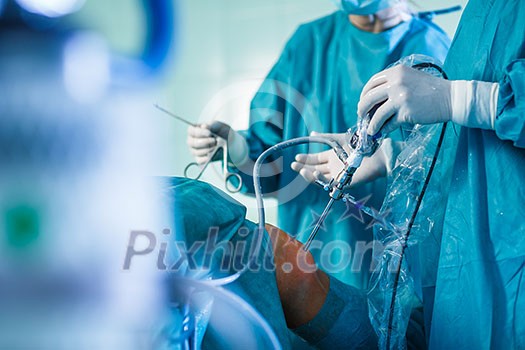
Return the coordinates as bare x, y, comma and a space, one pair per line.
361, 145
221, 149
174, 115
222, 146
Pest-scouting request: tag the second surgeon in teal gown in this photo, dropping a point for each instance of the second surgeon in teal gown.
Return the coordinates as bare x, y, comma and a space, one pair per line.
315, 86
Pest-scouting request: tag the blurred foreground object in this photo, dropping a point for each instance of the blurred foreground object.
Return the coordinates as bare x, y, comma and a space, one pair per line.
73, 154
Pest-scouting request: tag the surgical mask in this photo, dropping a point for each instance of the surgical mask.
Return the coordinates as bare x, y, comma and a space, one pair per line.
364, 7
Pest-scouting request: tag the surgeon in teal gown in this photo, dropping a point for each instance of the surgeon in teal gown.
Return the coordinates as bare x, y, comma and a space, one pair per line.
479, 293
315, 86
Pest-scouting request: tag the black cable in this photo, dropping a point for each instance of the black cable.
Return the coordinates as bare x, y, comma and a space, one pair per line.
407, 235
416, 211
424, 65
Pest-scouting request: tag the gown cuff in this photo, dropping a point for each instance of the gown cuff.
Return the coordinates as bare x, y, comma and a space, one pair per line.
474, 103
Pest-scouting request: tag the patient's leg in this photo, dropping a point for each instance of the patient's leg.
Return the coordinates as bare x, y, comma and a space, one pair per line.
302, 286
322, 310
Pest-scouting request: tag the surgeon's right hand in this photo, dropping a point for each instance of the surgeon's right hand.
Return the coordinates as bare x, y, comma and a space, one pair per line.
201, 142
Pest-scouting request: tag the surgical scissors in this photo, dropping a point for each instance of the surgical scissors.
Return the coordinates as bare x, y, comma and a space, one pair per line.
222, 146
221, 136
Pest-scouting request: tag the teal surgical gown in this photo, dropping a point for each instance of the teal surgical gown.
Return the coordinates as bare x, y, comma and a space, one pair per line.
315, 86
479, 300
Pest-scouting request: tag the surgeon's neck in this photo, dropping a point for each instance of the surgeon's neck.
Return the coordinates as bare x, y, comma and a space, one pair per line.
380, 21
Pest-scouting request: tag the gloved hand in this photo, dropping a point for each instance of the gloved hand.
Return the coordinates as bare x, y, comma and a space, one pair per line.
408, 96
202, 140
320, 166
326, 165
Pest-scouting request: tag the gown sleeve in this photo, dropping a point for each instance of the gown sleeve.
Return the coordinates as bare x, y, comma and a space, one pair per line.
425, 38
268, 109
510, 118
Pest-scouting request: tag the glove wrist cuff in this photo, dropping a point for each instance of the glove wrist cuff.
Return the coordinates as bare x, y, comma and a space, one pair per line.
474, 103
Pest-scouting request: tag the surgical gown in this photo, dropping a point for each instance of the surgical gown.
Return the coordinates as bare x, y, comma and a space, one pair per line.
315, 86
480, 288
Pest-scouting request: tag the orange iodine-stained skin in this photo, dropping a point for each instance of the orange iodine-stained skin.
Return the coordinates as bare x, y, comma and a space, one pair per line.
302, 286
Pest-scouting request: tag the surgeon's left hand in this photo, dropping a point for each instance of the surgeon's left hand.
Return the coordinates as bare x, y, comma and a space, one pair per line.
326, 165
323, 165
407, 96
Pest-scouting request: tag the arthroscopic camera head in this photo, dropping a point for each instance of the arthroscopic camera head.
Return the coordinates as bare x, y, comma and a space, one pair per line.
361, 142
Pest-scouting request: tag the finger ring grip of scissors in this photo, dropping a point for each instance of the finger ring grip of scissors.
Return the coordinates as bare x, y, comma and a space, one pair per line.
232, 181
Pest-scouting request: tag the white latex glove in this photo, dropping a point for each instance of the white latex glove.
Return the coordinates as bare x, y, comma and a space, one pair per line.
326, 165
320, 166
202, 140
408, 96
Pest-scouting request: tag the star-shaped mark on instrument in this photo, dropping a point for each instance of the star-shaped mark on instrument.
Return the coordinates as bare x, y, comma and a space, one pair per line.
315, 220
380, 219
353, 210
